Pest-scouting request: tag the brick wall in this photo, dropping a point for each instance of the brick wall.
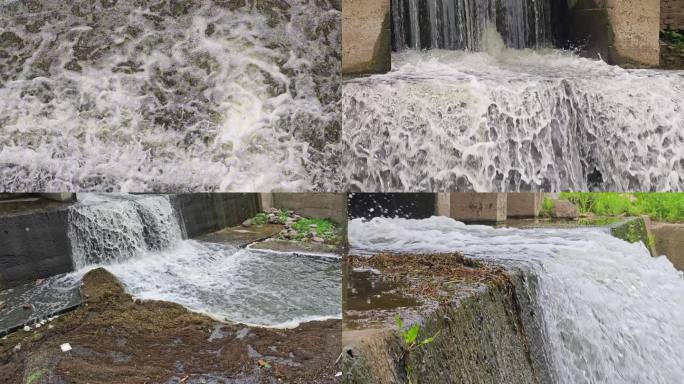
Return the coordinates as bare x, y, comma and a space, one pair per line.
672, 14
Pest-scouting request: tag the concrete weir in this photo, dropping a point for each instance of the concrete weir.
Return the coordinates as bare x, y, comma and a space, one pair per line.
34, 241
480, 315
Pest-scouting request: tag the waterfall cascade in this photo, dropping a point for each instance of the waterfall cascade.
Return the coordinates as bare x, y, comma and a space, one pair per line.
460, 24
610, 312
513, 120
115, 229
139, 240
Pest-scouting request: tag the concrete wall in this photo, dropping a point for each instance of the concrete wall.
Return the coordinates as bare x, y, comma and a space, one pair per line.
524, 205
34, 245
478, 207
322, 205
366, 36
202, 213
481, 338
672, 14
622, 32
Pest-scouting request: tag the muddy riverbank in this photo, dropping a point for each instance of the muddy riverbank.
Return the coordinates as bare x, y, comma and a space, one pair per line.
116, 339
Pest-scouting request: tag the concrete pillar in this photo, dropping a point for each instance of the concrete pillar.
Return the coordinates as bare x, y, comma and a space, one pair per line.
64, 196
443, 204
266, 200
524, 205
622, 32
366, 37
473, 207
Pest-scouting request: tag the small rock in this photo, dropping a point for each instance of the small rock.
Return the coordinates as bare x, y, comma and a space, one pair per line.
318, 239
563, 209
27, 306
313, 226
27, 328
17, 348
247, 223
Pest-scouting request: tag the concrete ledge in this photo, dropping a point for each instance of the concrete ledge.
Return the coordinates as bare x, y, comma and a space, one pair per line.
202, 213
366, 37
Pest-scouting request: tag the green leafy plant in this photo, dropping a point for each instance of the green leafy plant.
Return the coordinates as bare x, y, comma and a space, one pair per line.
547, 207
323, 228
673, 37
411, 342
260, 218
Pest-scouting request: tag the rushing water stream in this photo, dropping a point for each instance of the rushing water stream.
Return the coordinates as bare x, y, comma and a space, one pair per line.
139, 240
611, 312
513, 120
172, 95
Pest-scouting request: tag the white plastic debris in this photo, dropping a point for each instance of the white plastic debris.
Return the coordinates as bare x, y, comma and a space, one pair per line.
338, 374
26, 328
17, 348
66, 347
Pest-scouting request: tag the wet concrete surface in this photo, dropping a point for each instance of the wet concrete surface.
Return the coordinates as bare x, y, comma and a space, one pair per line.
30, 303
379, 287
116, 339
240, 236
458, 302
302, 247
27, 204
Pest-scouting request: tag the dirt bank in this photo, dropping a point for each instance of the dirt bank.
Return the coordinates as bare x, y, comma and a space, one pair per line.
115, 339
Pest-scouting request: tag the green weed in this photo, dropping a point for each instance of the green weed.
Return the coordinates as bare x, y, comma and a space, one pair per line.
411, 342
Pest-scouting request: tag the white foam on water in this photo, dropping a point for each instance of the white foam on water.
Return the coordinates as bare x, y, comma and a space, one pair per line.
511, 120
210, 99
227, 283
611, 312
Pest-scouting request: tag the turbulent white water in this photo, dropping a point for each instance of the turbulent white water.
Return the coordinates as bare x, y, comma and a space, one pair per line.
191, 95
138, 239
611, 312
513, 120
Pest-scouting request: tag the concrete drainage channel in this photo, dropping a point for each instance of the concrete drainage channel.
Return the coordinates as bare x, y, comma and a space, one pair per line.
132, 254
514, 305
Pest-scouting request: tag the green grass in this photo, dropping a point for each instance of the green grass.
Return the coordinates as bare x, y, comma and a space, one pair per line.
324, 228
659, 206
